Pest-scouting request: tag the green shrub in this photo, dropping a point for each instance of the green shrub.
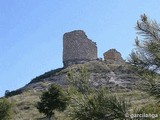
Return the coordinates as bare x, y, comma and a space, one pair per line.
51, 100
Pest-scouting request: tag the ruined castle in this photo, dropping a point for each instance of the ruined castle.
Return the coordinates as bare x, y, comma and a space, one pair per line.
78, 48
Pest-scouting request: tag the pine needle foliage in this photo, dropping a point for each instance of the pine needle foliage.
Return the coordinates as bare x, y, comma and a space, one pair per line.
145, 58
146, 55
89, 103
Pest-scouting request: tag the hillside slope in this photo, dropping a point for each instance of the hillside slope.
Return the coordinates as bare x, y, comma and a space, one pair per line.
117, 77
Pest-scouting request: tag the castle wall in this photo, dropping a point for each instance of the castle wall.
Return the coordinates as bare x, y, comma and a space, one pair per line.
112, 56
77, 48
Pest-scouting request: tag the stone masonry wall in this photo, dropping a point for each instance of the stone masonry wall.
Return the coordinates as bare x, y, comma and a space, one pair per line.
77, 48
112, 56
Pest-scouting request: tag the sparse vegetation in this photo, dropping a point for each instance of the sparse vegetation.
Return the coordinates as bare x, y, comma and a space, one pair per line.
45, 75
97, 67
12, 93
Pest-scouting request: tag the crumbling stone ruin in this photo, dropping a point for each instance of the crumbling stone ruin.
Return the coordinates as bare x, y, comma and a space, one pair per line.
77, 48
112, 56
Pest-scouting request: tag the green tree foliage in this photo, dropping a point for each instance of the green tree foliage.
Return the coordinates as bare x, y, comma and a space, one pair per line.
5, 109
147, 52
51, 100
100, 106
89, 103
145, 59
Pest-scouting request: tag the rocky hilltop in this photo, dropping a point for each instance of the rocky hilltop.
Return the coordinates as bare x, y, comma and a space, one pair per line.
115, 76
112, 71
78, 50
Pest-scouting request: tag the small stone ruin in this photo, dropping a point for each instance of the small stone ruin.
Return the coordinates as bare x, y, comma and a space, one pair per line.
112, 56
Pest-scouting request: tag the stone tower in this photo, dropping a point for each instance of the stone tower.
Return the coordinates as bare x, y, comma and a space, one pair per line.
112, 56
77, 48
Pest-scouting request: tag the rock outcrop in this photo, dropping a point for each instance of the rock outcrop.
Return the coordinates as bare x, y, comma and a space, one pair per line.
116, 77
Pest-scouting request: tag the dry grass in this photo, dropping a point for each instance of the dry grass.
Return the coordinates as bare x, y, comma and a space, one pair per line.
24, 104
24, 107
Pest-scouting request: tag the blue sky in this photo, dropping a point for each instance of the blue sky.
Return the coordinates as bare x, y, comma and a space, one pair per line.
31, 32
